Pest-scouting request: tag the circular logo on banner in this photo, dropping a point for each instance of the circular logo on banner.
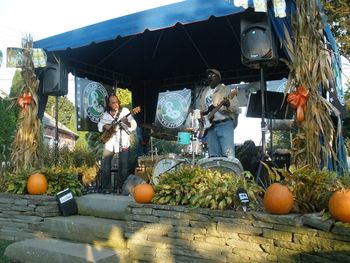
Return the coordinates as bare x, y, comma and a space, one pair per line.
94, 100
171, 109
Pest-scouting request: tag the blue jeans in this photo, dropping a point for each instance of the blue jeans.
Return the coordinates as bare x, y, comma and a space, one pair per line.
220, 139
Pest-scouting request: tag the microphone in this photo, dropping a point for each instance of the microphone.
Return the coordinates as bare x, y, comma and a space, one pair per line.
242, 197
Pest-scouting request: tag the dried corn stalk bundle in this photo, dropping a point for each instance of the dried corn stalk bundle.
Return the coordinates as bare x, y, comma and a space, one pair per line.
310, 67
25, 145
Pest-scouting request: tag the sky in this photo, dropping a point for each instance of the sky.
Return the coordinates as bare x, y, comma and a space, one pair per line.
45, 18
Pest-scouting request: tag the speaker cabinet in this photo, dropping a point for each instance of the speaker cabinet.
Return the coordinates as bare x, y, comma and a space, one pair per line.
257, 40
55, 79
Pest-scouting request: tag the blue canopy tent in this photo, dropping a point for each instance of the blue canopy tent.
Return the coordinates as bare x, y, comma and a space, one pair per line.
166, 48
160, 49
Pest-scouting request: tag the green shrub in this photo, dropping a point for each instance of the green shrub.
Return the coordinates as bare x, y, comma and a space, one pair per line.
311, 188
198, 187
61, 178
58, 179
80, 156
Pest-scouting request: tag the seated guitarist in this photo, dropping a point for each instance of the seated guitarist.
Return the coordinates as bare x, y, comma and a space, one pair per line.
119, 141
219, 99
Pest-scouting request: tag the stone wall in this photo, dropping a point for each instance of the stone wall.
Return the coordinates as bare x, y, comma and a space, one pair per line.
178, 234
22, 216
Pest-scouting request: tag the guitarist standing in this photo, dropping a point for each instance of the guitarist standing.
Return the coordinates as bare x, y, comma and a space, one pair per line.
118, 123
219, 99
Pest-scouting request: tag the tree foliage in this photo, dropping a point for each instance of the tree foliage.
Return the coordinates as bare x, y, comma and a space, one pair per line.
338, 17
125, 97
346, 125
17, 84
9, 115
65, 110
7, 127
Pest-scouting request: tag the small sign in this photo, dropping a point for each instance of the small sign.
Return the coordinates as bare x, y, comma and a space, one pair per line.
39, 58
66, 202
15, 57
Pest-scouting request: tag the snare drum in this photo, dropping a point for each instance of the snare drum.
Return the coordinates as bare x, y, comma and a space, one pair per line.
222, 164
164, 165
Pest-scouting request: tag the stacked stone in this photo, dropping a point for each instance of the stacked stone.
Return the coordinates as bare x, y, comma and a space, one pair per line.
158, 233
22, 216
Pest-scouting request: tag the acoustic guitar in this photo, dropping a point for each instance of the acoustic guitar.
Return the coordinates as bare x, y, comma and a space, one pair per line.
107, 134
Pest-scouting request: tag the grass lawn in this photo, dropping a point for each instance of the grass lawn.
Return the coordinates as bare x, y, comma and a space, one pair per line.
3, 245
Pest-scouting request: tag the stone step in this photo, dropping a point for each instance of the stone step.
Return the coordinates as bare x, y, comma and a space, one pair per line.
59, 251
105, 206
87, 229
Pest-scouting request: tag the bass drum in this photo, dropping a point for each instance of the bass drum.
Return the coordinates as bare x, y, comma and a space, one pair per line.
167, 164
222, 164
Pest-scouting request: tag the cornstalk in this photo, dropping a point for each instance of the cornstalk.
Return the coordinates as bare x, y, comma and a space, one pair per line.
25, 146
310, 67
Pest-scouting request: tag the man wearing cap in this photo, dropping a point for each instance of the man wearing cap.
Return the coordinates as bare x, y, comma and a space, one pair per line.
220, 134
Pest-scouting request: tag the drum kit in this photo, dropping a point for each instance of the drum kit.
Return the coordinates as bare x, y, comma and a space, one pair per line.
193, 146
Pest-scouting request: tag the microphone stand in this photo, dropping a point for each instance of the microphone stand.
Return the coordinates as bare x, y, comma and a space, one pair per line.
121, 126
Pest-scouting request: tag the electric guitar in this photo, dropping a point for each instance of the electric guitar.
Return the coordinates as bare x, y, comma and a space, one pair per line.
107, 134
208, 116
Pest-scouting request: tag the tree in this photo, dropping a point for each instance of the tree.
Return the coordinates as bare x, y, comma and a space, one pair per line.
338, 17
7, 128
9, 115
65, 110
346, 126
17, 84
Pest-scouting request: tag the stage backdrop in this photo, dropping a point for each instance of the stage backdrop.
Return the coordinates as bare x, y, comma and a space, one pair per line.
90, 103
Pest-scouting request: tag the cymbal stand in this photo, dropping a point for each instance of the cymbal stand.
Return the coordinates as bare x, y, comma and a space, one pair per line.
194, 135
154, 149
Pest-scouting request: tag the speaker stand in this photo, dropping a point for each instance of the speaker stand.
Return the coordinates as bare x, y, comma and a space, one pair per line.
263, 181
263, 122
56, 133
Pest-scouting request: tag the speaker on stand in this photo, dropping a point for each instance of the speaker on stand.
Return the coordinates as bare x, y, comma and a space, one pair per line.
257, 41
258, 51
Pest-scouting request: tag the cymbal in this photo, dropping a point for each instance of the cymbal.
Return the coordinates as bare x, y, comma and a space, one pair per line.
164, 136
190, 129
150, 126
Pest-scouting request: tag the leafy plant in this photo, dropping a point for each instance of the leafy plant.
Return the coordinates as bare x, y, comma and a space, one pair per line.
16, 183
58, 179
198, 187
311, 188
61, 178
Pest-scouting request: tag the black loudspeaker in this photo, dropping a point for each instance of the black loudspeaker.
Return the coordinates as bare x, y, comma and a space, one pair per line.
66, 202
55, 79
257, 40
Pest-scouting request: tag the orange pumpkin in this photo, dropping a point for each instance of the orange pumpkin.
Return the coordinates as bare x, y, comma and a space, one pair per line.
36, 184
143, 193
278, 199
339, 205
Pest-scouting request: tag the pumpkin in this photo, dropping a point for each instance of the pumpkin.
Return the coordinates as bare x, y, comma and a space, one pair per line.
278, 199
339, 205
143, 193
36, 184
